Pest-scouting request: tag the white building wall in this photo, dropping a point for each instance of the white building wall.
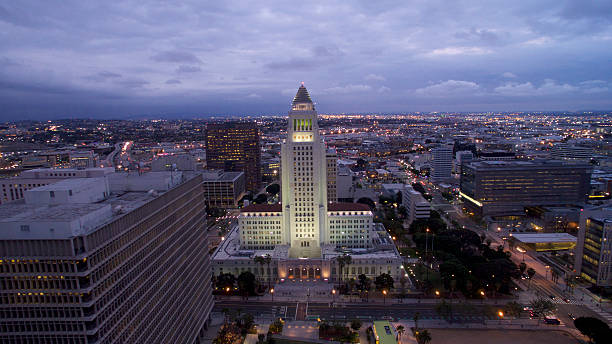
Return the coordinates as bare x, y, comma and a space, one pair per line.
304, 183
260, 231
442, 163
350, 229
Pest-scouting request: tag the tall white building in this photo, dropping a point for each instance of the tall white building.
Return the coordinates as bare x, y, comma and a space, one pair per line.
305, 233
304, 168
442, 163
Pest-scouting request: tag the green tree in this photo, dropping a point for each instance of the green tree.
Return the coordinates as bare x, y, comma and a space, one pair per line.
343, 261
522, 267
262, 198
543, 307
530, 272
261, 261
597, 330
246, 284
268, 261
273, 189
400, 331
383, 281
423, 337
225, 281
514, 309
356, 324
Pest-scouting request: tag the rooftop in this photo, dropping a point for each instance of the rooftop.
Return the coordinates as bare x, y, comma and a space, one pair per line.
519, 164
532, 238
302, 96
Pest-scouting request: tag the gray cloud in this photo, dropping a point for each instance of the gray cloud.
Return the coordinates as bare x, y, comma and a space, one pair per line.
176, 56
188, 69
346, 52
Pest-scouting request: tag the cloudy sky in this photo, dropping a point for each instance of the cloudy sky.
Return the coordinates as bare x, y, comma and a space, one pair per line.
115, 59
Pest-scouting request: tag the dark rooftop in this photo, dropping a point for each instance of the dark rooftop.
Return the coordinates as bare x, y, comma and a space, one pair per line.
302, 96
348, 207
261, 208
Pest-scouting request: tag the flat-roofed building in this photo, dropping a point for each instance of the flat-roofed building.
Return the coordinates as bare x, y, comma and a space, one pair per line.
506, 187
544, 241
417, 207
96, 260
15, 187
223, 189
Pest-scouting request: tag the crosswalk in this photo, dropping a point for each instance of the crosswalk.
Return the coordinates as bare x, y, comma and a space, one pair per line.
605, 315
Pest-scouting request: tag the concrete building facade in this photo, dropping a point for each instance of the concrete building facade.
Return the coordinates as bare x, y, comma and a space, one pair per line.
500, 188
129, 267
234, 146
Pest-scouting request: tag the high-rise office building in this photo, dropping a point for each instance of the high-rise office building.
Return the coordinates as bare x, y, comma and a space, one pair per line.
122, 258
442, 163
234, 146
593, 253
507, 187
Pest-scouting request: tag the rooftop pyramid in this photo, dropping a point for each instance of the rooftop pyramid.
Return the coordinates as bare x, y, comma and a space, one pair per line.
302, 96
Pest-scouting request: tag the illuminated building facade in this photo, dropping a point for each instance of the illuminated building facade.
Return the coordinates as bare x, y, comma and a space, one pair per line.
593, 254
116, 259
507, 187
234, 146
305, 233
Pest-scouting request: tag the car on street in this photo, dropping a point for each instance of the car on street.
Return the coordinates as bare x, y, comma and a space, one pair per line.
552, 321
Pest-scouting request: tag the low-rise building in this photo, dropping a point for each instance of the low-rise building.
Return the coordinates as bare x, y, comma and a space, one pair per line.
223, 189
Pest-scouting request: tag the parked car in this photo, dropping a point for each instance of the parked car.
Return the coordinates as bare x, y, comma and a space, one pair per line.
552, 321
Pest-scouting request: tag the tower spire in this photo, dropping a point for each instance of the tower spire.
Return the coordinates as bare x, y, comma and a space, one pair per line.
302, 97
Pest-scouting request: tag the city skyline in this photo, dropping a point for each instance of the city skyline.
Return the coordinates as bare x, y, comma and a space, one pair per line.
190, 60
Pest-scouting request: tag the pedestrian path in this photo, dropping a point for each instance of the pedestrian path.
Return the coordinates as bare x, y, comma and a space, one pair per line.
605, 315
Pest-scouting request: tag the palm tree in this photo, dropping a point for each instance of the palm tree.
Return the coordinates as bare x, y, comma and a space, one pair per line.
423, 337
530, 272
349, 260
400, 330
343, 261
261, 261
268, 260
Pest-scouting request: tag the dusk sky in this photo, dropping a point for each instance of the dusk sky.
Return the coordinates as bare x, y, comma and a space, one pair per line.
106, 59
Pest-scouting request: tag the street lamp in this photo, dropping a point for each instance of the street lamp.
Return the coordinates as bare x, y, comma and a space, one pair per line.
384, 296
272, 293
334, 305
437, 293
547, 268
